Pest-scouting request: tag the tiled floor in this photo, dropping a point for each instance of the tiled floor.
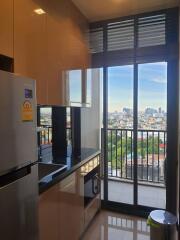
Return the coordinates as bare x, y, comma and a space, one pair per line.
113, 226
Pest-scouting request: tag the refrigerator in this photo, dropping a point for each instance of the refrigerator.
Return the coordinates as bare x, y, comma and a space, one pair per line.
18, 158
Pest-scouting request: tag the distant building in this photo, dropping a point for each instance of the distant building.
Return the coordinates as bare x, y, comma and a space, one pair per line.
150, 111
127, 111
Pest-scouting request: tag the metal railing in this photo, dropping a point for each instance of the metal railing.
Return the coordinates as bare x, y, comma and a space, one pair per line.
46, 135
151, 152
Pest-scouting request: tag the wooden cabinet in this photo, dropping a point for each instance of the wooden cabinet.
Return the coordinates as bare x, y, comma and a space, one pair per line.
80, 191
66, 46
62, 214
30, 51
91, 210
45, 45
92, 187
6, 28
56, 49
71, 208
61, 210
48, 214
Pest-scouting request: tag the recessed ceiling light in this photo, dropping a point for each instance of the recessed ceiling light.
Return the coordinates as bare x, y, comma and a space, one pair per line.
39, 11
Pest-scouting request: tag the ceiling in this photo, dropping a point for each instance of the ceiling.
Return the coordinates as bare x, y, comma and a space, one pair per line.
96, 10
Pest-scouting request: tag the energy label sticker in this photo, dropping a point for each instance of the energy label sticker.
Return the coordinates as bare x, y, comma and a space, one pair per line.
27, 112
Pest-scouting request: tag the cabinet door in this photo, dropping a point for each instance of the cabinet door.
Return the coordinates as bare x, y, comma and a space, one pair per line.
30, 45
48, 214
66, 46
56, 57
80, 193
6, 26
70, 209
91, 210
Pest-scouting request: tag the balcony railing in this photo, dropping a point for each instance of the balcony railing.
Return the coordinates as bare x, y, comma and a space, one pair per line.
151, 151
46, 135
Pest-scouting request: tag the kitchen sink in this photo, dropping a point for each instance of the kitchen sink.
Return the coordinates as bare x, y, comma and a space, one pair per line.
47, 169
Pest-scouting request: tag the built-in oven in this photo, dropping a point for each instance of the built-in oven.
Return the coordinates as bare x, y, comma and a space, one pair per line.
92, 183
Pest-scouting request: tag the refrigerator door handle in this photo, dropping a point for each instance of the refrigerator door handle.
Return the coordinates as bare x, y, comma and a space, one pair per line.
14, 176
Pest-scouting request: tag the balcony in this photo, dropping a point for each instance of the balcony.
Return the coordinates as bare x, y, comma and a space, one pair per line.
151, 151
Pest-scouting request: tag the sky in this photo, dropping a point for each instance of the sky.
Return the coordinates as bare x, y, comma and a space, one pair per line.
152, 87
75, 85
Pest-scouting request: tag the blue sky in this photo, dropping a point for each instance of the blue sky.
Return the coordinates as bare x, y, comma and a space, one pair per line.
75, 85
152, 86
152, 90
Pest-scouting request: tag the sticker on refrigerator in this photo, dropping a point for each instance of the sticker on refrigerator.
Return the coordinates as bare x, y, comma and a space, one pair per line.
28, 93
27, 112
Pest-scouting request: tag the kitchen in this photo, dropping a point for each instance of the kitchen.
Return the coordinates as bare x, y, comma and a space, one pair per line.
52, 189
45, 46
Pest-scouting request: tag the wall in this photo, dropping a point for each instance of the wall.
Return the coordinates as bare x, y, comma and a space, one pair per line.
44, 45
90, 117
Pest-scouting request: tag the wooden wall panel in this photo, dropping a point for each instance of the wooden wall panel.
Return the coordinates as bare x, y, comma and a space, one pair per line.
6, 28
30, 52
44, 45
66, 44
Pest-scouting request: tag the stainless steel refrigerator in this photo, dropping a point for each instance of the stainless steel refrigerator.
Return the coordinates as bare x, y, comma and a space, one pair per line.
18, 157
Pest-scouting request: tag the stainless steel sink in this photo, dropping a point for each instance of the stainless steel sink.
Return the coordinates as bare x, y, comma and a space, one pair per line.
47, 169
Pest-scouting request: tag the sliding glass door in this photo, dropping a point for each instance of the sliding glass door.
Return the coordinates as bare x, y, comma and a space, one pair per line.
136, 134
152, 134
120, 134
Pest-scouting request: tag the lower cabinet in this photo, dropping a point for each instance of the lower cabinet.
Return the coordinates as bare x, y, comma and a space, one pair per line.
91, 210
48, 214
61, 210
71, 208
62, 215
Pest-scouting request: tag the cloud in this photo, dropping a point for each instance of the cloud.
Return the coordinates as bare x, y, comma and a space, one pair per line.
160, 80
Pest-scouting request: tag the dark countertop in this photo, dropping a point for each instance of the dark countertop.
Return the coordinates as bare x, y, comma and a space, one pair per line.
73, 163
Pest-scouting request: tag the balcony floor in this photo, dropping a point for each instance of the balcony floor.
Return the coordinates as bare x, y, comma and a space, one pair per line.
148, 195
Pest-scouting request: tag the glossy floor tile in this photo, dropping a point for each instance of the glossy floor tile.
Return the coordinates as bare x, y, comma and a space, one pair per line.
113, 226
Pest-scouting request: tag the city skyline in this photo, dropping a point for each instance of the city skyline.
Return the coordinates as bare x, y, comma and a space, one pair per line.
155, 119
124, 107
152, 89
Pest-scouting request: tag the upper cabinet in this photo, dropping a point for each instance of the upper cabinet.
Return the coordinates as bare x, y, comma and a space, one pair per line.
66, 46
6, 28
44, 43
30, 51
56, 57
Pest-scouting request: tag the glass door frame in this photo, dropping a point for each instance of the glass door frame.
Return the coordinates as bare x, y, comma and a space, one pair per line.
122, 207
172, 141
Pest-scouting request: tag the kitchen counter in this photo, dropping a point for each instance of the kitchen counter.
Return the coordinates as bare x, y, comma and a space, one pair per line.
73, 163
